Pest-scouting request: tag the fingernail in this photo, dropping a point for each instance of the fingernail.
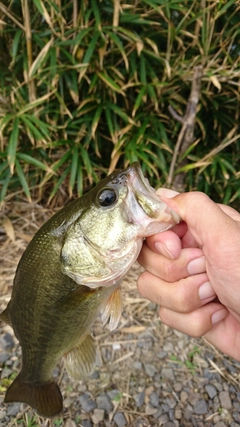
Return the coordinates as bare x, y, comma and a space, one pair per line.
206, 291
163, 249
197, 266
219, 315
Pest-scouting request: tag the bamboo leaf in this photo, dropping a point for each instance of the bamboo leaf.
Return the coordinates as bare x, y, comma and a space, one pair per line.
139, 100
80, 180
12, 145
110, 83
35, 162
96, 119
73, 170
5, 185
96, 11
35, 67
91, 48
15, 44
23, 180
120, 113
58, 184
119, 44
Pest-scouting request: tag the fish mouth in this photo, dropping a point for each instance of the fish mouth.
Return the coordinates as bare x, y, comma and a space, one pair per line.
147, 207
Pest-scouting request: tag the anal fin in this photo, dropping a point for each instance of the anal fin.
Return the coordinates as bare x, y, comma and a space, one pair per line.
80, 361
45, 398
112, 310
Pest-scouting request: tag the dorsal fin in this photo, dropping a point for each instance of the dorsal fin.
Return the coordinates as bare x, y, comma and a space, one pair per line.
80, 361
112, 310
45, 398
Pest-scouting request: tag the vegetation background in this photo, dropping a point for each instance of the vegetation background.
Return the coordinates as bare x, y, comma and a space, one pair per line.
85, 87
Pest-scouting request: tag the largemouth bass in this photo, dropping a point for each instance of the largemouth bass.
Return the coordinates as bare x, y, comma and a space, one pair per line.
69, 273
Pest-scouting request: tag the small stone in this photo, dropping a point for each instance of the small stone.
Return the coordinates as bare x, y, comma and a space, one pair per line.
140, 422
86, 423
67, 402
70, 423
162, 354
168, 346
3, 414
87, 403
149, 410
139, 399
95, 375
171, 402
145, 340
98, 416
152, 306
188, 413
114, 394
236, 406
104, 402
120, 419
211, 390
137, 365
154, 399
225, 400
13, 409
163, 419
177, 386
193, 398
236, 416
178, 413
183, 396
150, 369
7, 341
6, 372
220, 424
200, 407
218, 386
4, 357
168, 373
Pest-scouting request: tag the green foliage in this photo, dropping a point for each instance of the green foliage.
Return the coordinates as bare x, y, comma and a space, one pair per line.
86, 85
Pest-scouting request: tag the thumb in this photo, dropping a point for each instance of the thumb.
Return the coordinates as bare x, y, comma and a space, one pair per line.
206, 221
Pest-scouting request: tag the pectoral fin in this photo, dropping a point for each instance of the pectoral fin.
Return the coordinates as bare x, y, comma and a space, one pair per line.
80, 361
112, 310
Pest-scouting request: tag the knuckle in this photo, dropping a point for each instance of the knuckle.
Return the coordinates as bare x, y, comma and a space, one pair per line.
186, 301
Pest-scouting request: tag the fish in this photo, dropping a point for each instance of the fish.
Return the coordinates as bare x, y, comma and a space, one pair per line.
71, 272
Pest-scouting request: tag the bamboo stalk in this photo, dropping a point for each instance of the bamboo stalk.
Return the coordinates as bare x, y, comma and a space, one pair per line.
28, 34
116, 12
186, 135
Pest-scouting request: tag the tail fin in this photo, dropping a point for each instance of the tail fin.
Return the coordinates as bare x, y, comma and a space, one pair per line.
46, 398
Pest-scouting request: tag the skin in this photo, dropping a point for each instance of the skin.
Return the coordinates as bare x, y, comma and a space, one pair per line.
193, 271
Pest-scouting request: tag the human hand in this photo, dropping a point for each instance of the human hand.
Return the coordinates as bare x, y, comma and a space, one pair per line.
193, 271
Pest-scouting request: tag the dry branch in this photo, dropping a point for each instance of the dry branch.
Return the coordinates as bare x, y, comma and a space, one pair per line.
186, 135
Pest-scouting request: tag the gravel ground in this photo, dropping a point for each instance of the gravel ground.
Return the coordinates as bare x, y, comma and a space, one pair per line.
146, 374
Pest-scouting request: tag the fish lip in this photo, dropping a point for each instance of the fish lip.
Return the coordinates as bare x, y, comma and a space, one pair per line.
139, 185
138, 181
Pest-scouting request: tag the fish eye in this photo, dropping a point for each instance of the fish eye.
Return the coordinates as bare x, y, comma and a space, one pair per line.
107, 197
